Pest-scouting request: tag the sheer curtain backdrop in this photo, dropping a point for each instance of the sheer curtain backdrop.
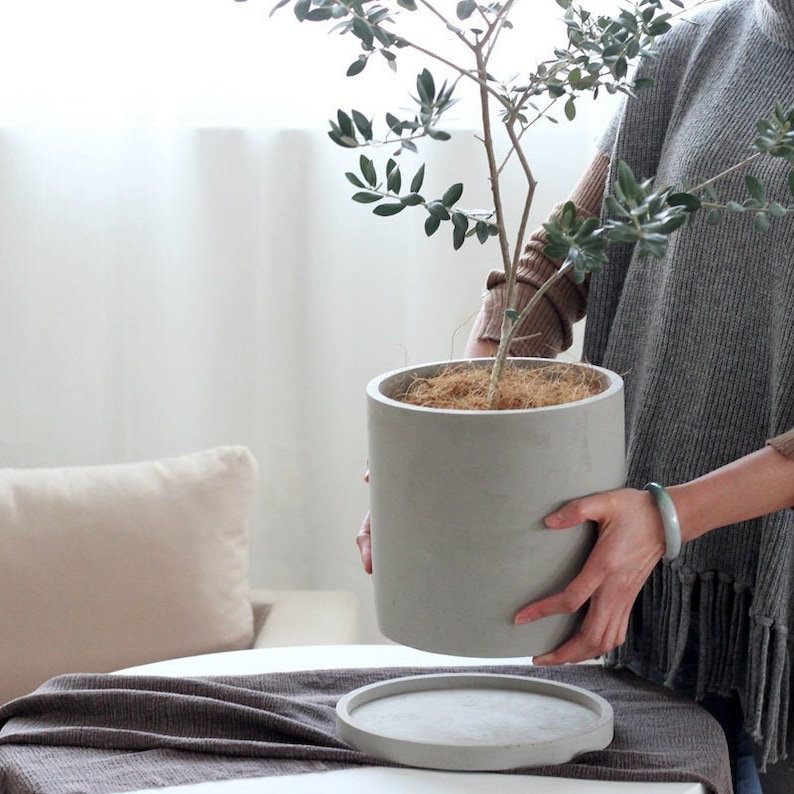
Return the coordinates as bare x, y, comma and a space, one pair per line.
182, 266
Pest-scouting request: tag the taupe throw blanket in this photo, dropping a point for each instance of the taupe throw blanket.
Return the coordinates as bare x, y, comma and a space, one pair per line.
111, 733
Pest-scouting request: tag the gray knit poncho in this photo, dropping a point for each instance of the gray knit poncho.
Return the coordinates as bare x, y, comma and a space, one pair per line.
705, 340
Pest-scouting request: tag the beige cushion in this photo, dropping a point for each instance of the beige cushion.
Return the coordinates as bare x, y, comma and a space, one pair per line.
304, 617
105, 567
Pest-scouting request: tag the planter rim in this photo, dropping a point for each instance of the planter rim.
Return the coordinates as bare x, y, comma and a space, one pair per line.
374, 388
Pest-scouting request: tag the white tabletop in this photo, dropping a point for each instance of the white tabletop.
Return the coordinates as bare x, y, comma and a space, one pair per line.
384, 780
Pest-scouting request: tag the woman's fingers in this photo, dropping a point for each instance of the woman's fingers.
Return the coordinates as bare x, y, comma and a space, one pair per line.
604, 627
364, 542
630, 543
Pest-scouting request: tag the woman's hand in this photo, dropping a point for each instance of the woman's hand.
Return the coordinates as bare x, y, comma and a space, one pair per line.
364, 538
630, 543
364, 542
480, 348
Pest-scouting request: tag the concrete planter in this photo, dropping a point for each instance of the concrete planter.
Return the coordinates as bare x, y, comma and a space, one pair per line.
457, 503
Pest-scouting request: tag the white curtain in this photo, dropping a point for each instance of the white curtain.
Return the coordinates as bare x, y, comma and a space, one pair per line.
181, 266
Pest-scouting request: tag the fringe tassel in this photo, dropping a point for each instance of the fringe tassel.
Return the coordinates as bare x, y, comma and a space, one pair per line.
679, 632
707, 639
737, 638
755, 659
721, 619
664, 616
756, 678
768, 689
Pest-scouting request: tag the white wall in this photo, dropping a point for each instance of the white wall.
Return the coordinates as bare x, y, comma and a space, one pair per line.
181, 265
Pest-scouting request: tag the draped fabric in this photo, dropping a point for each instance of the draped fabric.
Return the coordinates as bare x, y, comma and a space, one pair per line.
124, 733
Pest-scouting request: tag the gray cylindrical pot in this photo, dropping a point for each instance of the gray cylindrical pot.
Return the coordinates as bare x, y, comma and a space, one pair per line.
457, 503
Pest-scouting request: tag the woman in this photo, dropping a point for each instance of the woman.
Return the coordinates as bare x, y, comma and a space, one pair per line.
705, 341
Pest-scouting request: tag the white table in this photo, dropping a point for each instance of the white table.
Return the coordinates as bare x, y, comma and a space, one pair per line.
383, 780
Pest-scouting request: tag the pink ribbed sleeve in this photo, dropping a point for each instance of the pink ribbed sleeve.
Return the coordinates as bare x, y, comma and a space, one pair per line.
548, 331
783, 443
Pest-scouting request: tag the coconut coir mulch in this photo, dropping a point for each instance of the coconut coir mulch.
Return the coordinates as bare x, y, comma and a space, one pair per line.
465, 387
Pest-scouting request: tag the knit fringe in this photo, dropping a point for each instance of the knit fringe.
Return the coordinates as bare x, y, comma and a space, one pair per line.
768, 689
758, 665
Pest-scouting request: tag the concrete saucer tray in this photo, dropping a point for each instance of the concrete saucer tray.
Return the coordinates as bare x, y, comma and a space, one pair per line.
474, 721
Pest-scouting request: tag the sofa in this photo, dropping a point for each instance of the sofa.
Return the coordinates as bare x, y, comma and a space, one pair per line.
111, 566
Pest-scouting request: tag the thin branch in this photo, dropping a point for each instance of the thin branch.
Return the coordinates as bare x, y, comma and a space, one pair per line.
474, 48
538, 116
509, 332
496, 28
528, 201
449, 26
493, 166
536, 298
467, 73
738, 167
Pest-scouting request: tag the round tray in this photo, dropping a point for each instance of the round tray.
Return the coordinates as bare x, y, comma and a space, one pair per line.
474, 721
